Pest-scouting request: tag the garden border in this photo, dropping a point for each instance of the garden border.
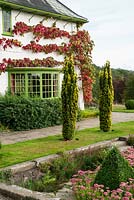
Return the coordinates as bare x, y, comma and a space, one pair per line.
20, 193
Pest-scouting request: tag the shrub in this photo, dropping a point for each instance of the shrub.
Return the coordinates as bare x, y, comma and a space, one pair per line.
130, 140
114, 170
129, 104
20, 113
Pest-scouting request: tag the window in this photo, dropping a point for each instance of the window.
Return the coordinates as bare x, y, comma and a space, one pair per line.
34, 84
6, 15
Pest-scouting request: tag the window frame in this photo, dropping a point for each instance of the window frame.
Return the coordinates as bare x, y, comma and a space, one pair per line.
7, 33
37, 72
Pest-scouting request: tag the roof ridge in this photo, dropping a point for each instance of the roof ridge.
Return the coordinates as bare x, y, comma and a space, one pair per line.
52, 8
71, 10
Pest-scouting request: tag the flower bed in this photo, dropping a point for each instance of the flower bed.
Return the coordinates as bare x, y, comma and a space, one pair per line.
85, 190
52, 175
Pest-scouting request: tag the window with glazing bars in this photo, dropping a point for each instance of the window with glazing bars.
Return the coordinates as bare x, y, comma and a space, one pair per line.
6, 17
34, 84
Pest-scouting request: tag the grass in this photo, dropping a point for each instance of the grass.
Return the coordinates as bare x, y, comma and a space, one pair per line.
29, 150
121, 108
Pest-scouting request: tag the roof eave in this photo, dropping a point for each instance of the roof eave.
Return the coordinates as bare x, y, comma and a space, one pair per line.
44, 13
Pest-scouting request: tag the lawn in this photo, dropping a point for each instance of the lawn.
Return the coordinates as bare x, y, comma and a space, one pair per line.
24, 151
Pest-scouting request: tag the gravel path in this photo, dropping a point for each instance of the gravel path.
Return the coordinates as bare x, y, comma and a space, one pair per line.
13, 137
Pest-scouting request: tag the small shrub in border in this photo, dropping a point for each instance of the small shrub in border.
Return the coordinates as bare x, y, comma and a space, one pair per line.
130, 140
129, 104
114, 170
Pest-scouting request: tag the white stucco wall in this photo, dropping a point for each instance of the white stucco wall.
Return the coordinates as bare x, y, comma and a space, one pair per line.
19, 53
3, 83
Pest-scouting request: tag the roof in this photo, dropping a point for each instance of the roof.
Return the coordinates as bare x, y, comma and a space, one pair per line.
50, 8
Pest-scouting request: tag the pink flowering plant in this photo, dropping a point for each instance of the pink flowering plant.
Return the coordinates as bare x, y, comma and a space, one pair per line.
129, 155
84, 188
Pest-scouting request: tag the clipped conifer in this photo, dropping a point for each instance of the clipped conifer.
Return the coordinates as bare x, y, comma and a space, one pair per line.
114, 170
105, 97
69, 97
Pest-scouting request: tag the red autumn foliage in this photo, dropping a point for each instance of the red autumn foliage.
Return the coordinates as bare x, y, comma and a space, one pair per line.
79, 44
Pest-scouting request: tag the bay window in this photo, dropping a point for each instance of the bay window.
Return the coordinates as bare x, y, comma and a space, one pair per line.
34, 84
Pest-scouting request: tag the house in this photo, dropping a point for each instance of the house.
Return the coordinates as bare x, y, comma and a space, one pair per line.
35, 36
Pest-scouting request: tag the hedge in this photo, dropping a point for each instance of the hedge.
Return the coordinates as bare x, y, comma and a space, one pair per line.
20, 113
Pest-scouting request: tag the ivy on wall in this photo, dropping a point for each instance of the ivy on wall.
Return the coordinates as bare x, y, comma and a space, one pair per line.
79, 44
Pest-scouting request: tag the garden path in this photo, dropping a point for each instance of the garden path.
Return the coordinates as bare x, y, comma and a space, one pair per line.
19, 136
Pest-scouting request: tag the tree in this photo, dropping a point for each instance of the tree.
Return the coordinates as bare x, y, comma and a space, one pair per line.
129, 91
119, 89
105, 97
69, 97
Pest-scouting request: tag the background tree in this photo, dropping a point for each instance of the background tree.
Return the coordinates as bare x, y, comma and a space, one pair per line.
69, 97
106, 97
119, 90
121, 84
129, 90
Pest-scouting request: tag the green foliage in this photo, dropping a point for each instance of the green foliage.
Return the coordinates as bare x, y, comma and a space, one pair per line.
129, 104
129, 91
61, 169
121, 84
105, 98
69, 97
20, 113
66, 165
130, 140
5, 175
47, 183
114, 170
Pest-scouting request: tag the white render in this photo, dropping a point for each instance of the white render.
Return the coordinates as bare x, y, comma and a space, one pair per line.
19, 53
3, 83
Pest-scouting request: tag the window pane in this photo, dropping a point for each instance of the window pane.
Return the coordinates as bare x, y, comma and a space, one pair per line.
55, 85
6, 20
49, 85
18, 84
46, 85
34, 85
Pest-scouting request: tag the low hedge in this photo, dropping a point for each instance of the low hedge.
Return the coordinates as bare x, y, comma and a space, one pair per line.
20, 113
129, 104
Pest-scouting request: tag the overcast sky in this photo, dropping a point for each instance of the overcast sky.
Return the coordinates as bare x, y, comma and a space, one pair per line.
111, 26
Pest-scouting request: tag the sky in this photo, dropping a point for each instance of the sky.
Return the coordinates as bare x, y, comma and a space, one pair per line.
111, 27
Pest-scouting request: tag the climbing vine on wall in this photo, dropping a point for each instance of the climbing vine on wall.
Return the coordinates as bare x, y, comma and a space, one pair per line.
79, 44
27, 62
